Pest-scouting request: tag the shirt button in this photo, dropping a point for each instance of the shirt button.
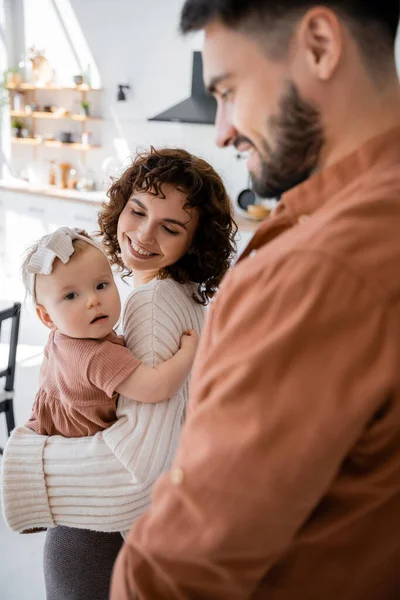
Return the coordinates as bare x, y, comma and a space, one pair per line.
303, 218
176, 476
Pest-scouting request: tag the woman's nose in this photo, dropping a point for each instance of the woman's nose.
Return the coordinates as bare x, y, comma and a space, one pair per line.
145, 233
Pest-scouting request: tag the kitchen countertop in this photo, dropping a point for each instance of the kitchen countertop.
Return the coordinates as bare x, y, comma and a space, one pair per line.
97, 197
17, 185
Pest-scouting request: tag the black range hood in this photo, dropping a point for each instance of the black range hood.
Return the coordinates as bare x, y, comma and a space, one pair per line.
199, 108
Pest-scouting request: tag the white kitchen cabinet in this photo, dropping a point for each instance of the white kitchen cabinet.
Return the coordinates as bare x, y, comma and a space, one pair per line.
24, 222
65, 213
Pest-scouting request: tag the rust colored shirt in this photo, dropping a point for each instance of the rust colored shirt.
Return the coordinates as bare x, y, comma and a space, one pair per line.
286, 483
77, 396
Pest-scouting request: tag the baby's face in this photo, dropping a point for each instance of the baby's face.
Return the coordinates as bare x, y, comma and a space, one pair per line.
80, 297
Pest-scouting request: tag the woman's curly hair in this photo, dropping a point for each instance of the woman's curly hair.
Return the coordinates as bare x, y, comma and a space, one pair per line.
213, 246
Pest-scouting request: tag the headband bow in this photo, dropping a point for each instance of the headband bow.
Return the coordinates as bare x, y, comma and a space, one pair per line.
58, 244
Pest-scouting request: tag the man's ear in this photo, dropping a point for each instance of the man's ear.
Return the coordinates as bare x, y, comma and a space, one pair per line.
44, 316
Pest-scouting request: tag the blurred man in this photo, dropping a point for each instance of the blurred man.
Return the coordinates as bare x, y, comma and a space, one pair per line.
286, 484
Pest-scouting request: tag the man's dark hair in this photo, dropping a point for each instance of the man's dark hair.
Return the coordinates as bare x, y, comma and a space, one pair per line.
373, 23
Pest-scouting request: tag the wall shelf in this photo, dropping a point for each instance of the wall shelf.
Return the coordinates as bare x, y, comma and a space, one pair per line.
36, 140
53, 116
54, 144
25, 141
53, 88
73, 145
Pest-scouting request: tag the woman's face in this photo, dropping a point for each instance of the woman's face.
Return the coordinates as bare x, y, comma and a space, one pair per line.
155, 232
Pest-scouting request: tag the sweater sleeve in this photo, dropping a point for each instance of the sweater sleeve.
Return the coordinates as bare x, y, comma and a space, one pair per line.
104, 482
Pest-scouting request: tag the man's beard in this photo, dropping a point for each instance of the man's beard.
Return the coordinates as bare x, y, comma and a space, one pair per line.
299, 137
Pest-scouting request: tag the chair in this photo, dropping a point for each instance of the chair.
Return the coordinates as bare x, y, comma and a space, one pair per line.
7, 393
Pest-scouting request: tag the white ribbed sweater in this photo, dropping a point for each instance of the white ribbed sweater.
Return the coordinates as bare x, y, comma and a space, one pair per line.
104, 482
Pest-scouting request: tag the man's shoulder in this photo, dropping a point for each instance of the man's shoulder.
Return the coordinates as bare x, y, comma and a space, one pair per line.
363, 235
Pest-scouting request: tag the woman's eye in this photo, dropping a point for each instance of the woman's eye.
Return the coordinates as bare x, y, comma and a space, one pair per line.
170, 231
70, 296
137, 213
101, 286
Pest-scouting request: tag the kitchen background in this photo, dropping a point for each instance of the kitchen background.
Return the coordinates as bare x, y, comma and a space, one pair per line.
109, 43
81, 45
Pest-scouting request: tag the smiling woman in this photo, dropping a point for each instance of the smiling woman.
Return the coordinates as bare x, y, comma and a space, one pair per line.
169, 216
155, 230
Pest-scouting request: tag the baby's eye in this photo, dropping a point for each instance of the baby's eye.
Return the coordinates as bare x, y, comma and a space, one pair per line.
70, 296
102, 285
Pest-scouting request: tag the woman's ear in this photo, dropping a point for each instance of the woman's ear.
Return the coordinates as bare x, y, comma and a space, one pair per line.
44, 316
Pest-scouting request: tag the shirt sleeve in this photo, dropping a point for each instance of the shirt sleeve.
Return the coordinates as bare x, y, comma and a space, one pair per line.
291, 368
109, 365
102, 482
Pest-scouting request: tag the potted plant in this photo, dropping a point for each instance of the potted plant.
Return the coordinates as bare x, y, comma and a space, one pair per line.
17, 127
13, 77
85, 108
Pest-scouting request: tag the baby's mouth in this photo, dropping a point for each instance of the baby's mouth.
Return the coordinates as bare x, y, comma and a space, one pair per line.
98, 318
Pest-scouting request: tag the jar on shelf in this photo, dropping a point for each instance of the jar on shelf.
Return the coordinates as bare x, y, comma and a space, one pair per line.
86, 137
52, 173
86, 183
72, 179
64, 169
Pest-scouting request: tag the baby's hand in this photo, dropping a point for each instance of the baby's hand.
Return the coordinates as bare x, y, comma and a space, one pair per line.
190, 341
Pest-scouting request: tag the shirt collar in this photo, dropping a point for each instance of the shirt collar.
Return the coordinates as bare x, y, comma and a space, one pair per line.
316, 192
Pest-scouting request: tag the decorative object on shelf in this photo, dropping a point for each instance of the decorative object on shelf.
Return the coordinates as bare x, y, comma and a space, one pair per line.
47, 108
60, 112
66, 137
72, 179
17, 126
86, 137
121, 96
85, 106
17, 102
64, 169
52, 173
86, 183
25, 133
13, 77
42, 73
78, 79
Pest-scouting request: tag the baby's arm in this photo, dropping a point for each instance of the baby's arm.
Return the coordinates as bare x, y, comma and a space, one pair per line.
156, 384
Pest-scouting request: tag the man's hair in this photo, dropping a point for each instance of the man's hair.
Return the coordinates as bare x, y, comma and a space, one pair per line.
373, 23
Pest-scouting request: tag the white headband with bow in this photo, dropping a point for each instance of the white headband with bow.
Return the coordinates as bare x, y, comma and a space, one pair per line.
58, 244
